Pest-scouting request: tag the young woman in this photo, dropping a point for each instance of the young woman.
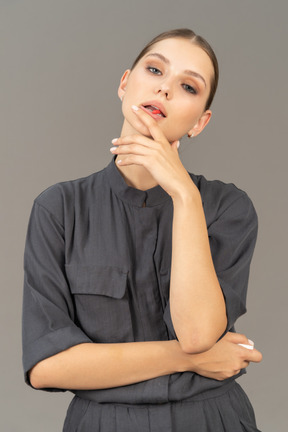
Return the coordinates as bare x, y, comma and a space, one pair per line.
135, 275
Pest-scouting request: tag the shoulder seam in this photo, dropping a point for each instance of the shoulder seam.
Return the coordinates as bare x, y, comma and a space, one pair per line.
243, 195
48, 211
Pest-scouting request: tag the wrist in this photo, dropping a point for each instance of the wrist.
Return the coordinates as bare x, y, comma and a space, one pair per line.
187, 195
183, 362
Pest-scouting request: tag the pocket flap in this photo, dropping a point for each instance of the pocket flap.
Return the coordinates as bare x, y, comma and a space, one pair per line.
99, 280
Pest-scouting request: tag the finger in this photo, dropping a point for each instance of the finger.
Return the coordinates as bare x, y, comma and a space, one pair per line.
134, 139
134, 160
237, 338
250, 347
130, 149
151, 124
244, 365
256, 356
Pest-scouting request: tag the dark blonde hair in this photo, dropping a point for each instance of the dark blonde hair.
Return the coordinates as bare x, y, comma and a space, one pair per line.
197, 40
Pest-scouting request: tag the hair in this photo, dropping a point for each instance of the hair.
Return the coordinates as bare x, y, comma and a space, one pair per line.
197, 40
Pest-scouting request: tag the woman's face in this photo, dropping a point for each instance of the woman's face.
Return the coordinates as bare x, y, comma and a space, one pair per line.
174, 78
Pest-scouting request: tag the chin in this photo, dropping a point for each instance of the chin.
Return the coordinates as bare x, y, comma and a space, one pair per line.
140, 129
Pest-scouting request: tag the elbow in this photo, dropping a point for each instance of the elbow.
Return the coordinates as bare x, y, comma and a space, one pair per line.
195, 347
201, 339
197, 343
38, 376
35, 378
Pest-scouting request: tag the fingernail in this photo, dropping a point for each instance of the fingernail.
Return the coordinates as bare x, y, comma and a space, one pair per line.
114, 140
178, 144
119, 161
113, 148
251, 342
135, 108
250, 347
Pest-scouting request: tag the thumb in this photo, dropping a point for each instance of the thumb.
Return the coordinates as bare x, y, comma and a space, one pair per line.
238, 338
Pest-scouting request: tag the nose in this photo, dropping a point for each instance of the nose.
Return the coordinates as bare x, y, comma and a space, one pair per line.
164, 91
164, 88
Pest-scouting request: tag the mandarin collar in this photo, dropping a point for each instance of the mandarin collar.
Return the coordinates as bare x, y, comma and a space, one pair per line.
151, 197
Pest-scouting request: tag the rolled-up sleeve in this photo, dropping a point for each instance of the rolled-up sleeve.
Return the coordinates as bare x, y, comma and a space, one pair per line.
232, 240
48, 313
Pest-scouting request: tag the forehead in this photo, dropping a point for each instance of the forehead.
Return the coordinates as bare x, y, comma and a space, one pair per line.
185, 55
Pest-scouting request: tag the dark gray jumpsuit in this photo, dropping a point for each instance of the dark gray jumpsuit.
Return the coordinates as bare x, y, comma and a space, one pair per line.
97, 269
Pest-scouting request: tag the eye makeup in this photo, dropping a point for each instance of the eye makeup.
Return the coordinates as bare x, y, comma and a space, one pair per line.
153, 67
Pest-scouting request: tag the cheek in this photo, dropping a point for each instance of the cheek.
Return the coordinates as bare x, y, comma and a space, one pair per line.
182, 121
135, 84
187, 115
179, 126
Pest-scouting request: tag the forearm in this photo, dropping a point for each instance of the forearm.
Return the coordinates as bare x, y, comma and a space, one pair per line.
98, 366
196, 300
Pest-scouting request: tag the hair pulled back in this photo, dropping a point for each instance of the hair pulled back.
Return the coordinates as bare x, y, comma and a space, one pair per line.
195, 39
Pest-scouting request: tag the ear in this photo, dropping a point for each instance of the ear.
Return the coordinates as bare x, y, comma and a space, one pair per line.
123, 83
201, 123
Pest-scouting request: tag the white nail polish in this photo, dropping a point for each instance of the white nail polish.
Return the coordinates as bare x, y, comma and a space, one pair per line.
114, 140
119, 161
113, 148
251, 342
250, 347
135, 108
178, 144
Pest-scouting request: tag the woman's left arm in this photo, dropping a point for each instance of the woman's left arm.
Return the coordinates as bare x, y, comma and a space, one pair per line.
196, 300
197, 303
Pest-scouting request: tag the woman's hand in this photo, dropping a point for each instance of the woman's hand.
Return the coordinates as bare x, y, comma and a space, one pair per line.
225, 359
156, 154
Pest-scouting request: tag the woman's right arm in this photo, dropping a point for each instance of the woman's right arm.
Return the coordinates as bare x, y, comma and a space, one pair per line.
97, 366
60, 355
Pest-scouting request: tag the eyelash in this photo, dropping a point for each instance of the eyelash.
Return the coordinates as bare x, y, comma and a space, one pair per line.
188, 88
151, 69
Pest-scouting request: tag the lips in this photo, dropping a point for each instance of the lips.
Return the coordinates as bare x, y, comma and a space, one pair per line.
155, 108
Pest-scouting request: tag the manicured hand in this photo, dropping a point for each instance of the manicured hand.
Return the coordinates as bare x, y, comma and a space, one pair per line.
156, 154
226, 358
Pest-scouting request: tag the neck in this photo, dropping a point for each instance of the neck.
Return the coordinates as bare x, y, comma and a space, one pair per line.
135, 175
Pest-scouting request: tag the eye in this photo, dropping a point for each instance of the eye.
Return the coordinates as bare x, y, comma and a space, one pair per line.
154, 70
189, 89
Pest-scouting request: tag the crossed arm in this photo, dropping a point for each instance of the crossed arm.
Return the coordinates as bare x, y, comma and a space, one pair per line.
98, 366
196, 300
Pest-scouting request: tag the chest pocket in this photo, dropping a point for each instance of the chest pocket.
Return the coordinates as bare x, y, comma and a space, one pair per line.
101, 299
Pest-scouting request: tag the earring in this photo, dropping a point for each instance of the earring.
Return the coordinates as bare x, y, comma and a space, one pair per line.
190, 136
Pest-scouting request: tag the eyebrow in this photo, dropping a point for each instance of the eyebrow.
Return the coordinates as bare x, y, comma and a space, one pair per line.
187, 71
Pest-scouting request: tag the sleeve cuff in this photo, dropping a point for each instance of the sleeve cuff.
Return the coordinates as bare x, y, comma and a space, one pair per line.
51, 344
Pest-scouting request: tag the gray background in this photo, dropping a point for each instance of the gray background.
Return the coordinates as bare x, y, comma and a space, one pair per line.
61, 62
